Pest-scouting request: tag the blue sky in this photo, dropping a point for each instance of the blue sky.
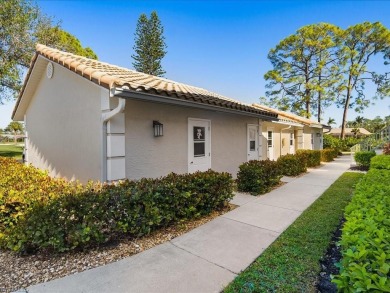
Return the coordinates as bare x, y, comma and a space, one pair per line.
218, 45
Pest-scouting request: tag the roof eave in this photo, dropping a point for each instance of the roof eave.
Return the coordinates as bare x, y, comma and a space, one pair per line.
145, 96
295, 124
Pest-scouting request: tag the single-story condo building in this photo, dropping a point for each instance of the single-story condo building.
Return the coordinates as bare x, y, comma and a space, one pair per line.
90, 120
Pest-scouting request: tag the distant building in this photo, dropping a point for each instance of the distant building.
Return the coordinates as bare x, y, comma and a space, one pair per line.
384, 133
349, 132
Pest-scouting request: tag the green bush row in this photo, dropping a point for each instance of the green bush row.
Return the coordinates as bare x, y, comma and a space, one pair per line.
364, 158
328, 155
312, 158
258, 177
381, 162
291, 165
41, 213
365, 241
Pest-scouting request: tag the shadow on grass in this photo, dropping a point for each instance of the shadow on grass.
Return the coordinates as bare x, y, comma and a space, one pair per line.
11, 151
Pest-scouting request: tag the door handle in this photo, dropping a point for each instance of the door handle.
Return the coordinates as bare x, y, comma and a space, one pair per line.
191, 162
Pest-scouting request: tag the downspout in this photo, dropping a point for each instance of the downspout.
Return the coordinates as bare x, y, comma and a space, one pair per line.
105, 118
281, 130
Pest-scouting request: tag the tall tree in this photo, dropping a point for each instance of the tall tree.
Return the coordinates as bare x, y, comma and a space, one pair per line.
15, 127
22, 25
149, 45
58, 38
304, 69
360, 43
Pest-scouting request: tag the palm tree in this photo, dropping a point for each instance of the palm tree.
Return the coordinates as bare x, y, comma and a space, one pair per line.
359, 120
355, 132
331, 121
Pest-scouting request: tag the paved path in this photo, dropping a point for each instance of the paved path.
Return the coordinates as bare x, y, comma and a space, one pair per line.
209, 257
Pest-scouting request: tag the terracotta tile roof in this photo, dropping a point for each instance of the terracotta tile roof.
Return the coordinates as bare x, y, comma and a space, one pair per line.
110, 76
348, 131
288, 116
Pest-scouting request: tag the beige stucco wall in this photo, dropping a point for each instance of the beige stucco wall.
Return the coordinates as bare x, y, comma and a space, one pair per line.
281, 138
307, 131
147, 156
63, 126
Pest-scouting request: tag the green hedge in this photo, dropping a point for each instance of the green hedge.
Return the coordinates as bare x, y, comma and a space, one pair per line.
41, 213
340, 144
291, 165
312, 158
258, 177
328, 155
381, 162
363, 158
365, 241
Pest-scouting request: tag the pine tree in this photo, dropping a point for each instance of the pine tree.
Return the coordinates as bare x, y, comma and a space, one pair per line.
304, 70
149, 45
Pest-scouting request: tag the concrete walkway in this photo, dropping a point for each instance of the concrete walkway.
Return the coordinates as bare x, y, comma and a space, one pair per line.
209, 257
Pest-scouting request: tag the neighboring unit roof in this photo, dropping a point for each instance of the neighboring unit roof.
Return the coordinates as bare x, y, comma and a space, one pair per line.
349, 131
111, 76
282, 115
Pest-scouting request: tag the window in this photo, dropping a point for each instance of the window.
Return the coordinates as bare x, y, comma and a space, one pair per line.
291, 139
252, 139
269, 139
199, 134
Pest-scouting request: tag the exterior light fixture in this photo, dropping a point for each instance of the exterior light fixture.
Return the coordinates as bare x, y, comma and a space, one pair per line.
157, 128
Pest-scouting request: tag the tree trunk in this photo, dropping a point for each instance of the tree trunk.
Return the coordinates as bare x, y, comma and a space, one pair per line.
319, 94
307, 103
15, 137
307, 109
346, 105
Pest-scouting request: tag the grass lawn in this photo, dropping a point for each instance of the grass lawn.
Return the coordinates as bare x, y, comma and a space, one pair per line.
291, 263
11, 151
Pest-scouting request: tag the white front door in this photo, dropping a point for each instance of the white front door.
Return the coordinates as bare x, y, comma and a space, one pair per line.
292, 143
270, 144
253, 142
199, 151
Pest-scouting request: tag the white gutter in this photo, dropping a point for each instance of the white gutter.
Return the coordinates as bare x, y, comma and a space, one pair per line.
105, 118
281, 130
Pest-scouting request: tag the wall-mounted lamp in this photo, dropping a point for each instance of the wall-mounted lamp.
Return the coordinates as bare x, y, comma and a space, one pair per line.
318, 134
158, 128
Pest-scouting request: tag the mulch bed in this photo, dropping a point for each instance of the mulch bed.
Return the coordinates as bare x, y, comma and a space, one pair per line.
22, 271
358, 168
328, 261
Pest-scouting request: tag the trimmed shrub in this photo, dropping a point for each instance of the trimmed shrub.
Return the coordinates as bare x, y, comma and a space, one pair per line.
291, 165
365, 240
312, 158
380, 162
363, 158
258, 177
328, 155
41, 213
